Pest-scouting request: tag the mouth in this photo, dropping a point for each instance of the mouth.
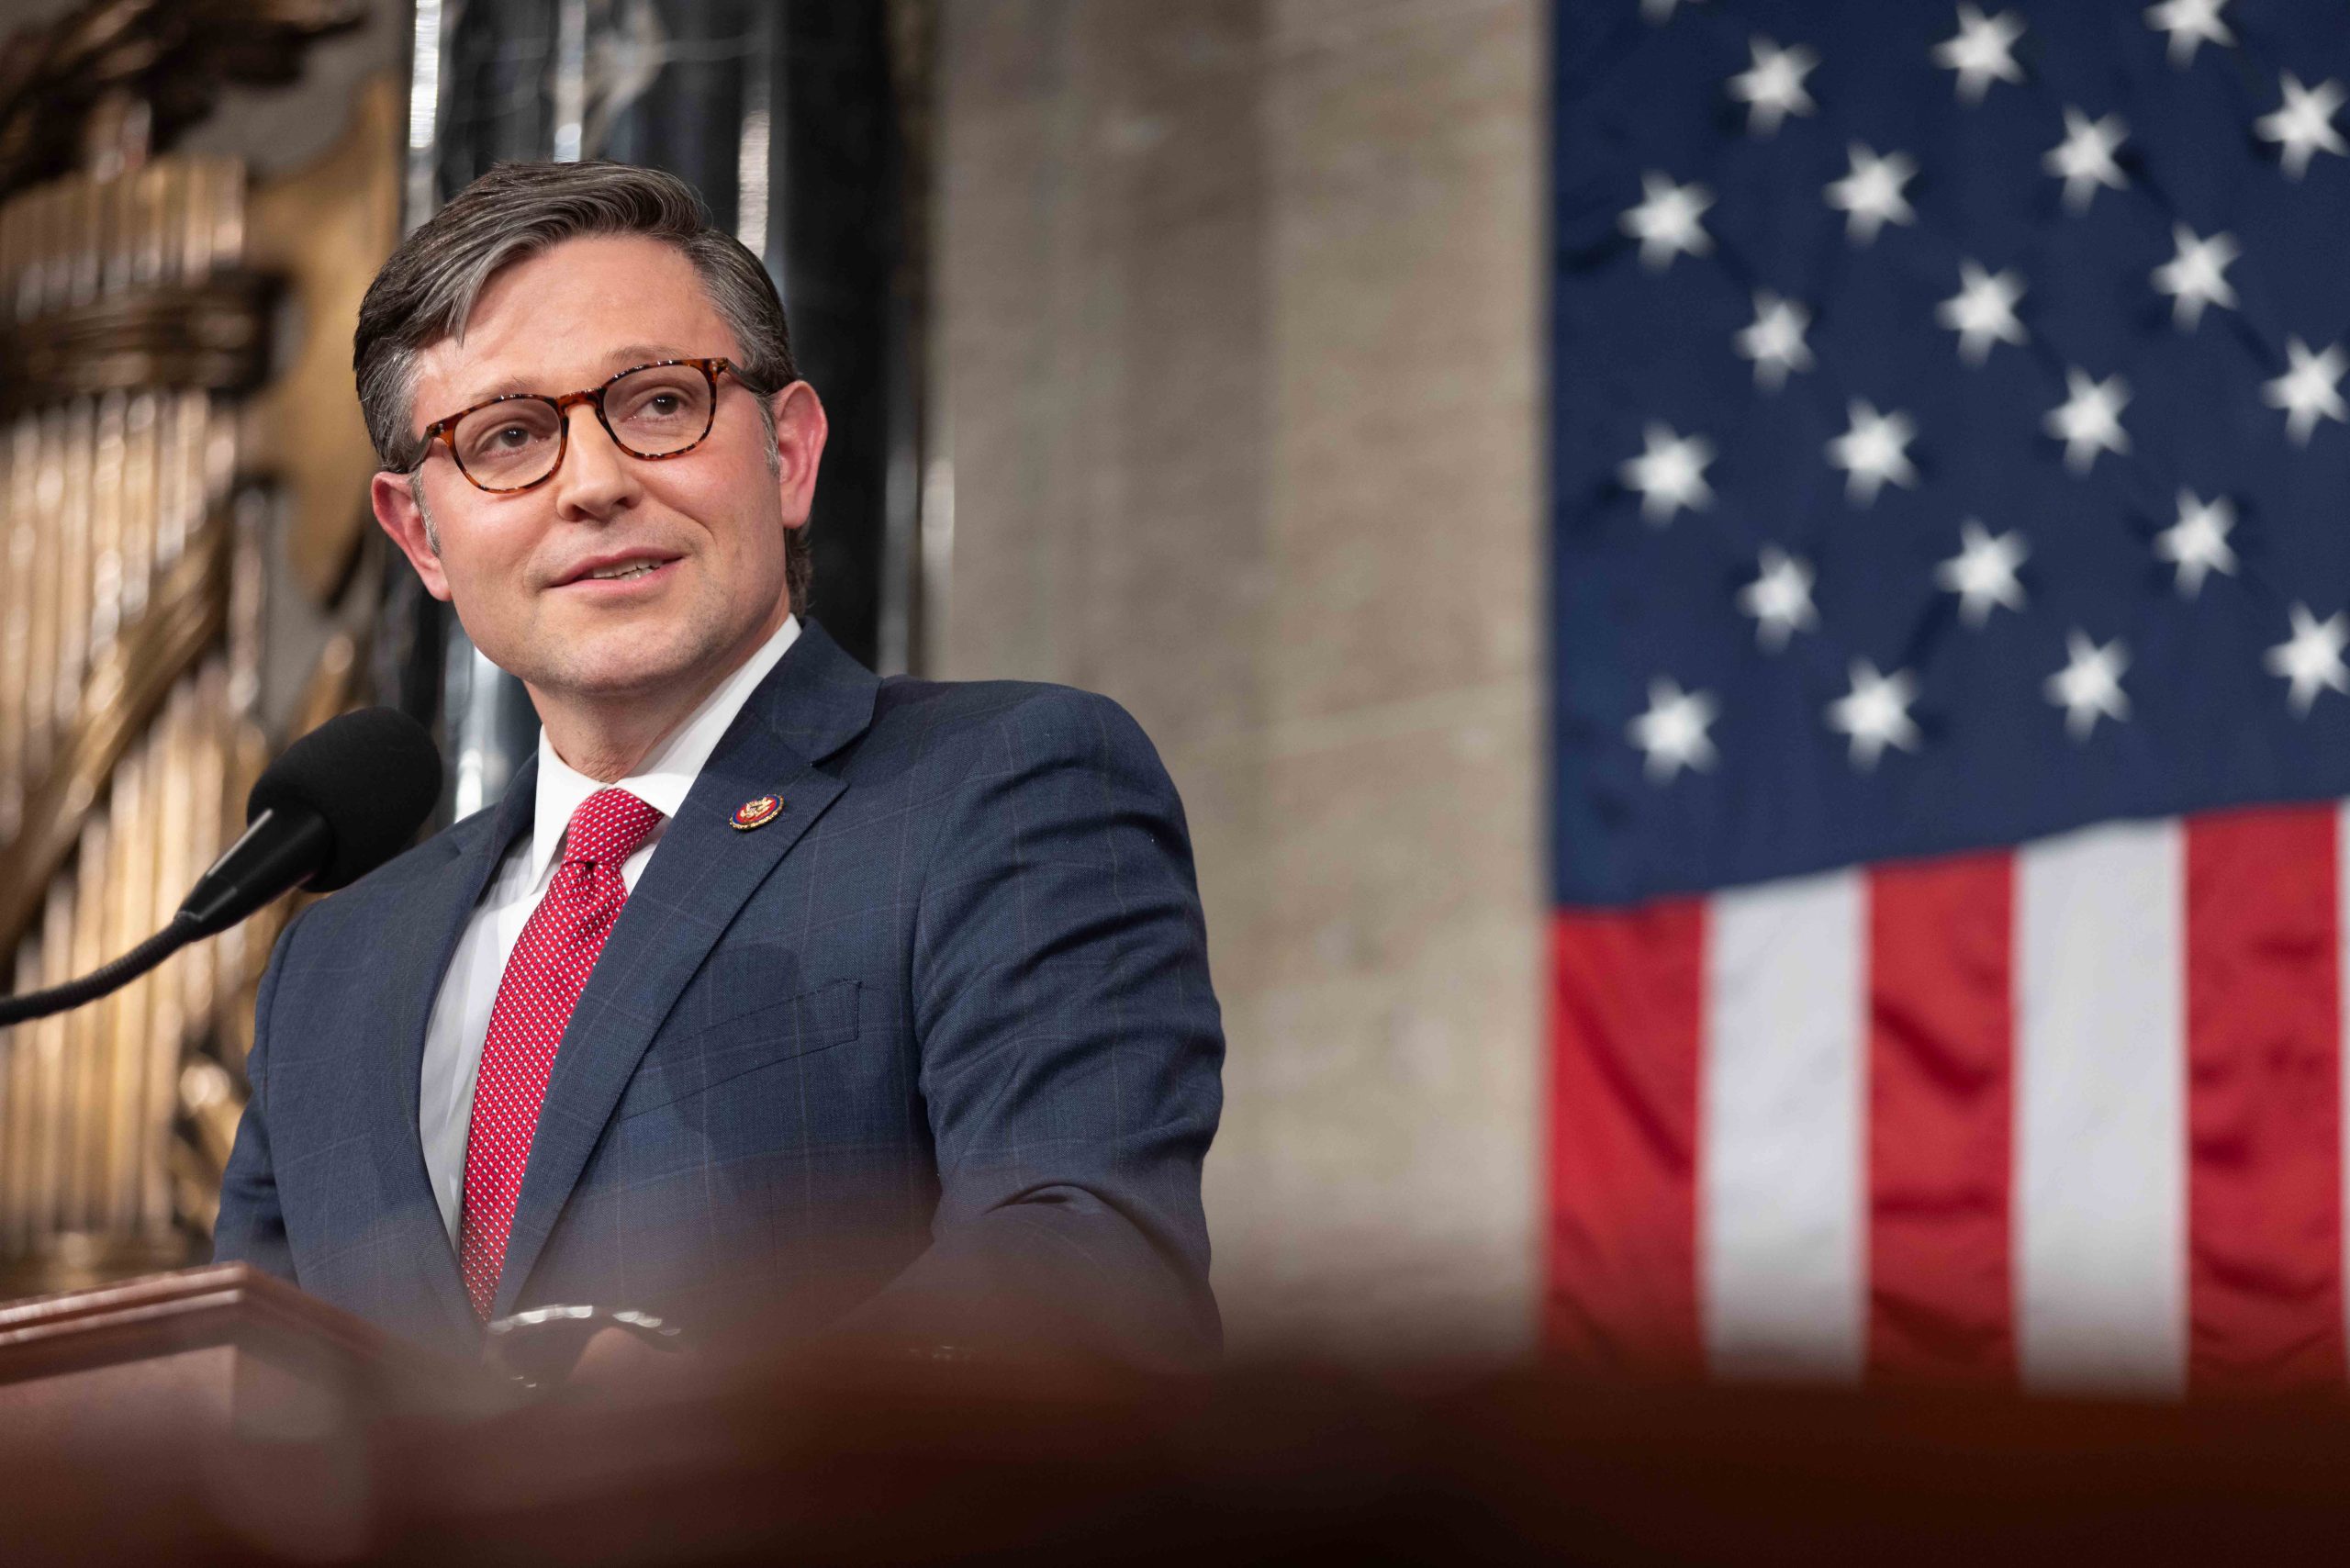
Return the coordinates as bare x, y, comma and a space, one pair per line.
607, 573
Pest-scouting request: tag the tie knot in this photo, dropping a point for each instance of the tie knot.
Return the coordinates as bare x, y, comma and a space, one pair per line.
608, 827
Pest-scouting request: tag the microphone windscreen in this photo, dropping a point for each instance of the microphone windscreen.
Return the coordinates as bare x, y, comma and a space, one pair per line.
372, 775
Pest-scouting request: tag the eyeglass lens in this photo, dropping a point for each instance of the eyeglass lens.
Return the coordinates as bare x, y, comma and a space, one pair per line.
652, 412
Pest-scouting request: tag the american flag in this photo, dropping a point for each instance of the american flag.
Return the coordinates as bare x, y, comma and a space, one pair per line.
1952, 586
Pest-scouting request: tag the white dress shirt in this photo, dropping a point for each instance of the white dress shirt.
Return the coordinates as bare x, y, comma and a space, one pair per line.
453, 1040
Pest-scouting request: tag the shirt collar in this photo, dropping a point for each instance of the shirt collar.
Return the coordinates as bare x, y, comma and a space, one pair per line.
666, 775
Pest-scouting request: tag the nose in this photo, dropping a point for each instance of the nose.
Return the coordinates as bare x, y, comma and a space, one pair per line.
596, 479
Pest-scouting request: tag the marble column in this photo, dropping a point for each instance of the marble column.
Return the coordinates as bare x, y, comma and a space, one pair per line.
1239, 328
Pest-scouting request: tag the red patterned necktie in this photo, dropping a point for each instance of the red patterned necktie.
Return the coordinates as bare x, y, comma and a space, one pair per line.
543, 976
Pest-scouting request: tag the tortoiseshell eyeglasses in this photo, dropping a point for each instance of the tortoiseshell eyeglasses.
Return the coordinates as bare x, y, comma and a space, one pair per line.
517, 441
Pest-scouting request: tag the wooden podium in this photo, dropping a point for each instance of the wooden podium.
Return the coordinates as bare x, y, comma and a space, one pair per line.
221, 1349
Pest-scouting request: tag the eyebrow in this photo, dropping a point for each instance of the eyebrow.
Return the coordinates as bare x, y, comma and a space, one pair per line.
629, 354
625, 357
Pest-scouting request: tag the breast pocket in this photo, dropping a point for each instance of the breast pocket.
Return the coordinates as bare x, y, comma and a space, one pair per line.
812, 1020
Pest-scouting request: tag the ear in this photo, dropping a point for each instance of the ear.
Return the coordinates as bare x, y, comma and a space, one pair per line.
396, 509
799, 429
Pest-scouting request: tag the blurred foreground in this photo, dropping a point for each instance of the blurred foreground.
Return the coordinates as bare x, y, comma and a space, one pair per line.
889, 1458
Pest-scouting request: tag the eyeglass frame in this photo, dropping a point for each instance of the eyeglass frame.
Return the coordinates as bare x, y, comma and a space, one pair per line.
444, 431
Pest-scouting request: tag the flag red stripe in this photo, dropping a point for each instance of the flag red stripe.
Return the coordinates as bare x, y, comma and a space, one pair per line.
2263, 1104
1626, 998
1940, 1076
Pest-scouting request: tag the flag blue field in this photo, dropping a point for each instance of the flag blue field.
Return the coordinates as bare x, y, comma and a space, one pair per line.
1871, 422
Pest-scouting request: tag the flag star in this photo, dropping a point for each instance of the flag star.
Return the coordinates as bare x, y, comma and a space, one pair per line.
2084, 158
1871, 451
1659, 12
2089, 686
1983, 573
2307, 391
2197, 276
1772, 88
1774, 341
1983, 311
1875, 713
2197, 543
1870, 195
1666, 221
2089, 421
2305, 126
1670, 474
1981, 50
1673, 732
2311, 658
2189, 23
1779, 598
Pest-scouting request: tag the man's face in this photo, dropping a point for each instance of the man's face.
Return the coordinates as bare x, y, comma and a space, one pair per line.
709, 523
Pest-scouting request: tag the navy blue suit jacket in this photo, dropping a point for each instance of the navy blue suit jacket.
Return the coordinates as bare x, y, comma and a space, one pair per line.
933, 1044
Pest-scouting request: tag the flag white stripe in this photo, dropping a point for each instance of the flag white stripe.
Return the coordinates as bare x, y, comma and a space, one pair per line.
2100, 1193
1783, 1240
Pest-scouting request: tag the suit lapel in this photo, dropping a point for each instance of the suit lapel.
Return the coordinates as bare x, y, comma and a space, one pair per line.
816, 700
416, 950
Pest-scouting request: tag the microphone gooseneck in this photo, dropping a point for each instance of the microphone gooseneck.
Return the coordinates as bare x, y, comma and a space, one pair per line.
340, 801
102, 979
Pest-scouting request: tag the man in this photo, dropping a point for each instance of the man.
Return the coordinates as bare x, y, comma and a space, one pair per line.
773, 998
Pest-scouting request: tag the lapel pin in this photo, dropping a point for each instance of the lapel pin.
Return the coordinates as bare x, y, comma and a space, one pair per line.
758, 813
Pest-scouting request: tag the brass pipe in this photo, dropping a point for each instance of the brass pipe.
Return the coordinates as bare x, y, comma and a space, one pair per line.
156, 186
19, 264
19, 548
47, 1146
107, 444
128, 1114
208, 817
48, 587
142, 427
83, 1076
181, 497
21, 1069
104, 1046
73, 575
137, 538
118, 222
178, 864
86, 240
192, 216
42, 216
12, 252
227, 236
15, 488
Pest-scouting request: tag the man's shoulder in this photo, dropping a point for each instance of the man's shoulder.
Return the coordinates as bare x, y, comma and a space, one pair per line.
907, 697
955, 717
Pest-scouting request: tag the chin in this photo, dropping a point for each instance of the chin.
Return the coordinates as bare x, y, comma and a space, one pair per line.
620, 678
618, 667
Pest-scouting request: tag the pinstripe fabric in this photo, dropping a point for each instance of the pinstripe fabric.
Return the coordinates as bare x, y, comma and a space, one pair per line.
937, 1044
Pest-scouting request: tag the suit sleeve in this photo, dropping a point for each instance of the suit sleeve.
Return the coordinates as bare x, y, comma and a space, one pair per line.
252, 1227
1071, 1049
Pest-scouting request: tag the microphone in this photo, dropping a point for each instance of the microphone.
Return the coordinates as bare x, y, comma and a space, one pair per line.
340, 801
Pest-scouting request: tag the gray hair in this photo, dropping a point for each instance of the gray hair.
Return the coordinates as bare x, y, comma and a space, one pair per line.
428, 289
